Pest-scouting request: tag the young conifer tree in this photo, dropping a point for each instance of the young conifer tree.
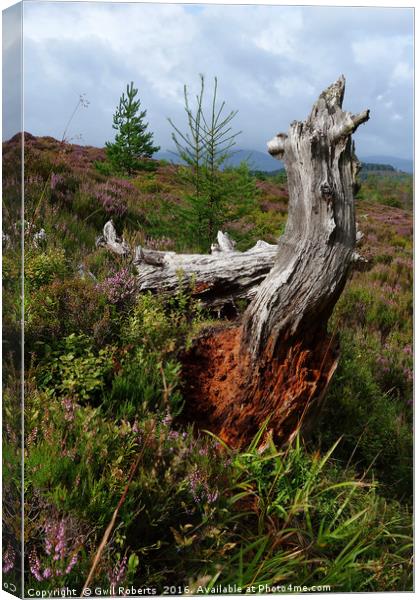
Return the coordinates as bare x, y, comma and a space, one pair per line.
132, 142
205, 149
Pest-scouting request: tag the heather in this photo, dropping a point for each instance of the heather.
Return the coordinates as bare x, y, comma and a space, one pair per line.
104, 393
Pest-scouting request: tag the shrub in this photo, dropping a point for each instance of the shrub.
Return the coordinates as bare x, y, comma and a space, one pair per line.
63, 187
149, 372
120, 287
145, 383
84, 474
112, 196
104, 168
163, 326
74, 371
65, 307
42, 268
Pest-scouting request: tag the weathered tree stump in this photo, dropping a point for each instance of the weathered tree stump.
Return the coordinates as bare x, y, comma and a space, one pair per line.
277, 364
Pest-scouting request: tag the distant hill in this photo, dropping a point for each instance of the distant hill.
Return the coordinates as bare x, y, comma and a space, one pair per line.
401, 164
257, 161
260, 161
368, 166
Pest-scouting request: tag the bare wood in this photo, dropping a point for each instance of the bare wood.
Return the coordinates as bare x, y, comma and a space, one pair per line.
316, 250
112, 241
223, 276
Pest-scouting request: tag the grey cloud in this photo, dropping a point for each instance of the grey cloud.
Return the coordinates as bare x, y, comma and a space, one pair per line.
271, 63
12, 71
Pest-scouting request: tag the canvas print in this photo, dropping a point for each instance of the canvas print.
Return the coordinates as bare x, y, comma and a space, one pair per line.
207, 299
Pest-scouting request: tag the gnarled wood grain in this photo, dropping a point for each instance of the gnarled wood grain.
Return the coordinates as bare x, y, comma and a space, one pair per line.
218, 278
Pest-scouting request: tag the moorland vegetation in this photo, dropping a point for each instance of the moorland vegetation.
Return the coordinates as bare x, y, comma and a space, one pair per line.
104, 394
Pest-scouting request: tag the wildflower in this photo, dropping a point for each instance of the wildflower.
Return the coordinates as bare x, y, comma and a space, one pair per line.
119, 287
72, 562
112, 195
212, 496
195, 482
56, 179
35, 565
408, 374
68, 406
32, 436
55, 542
60, 540
9, 558
199, 487
167, 420
118, 572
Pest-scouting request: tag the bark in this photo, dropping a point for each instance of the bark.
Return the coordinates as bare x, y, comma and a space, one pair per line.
275, 367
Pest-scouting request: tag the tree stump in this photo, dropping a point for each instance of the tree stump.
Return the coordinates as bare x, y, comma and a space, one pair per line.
275, 367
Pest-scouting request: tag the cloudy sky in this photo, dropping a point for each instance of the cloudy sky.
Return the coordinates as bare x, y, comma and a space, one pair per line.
271, 63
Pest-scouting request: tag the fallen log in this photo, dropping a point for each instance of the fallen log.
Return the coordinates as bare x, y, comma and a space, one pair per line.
216, 279
276, 365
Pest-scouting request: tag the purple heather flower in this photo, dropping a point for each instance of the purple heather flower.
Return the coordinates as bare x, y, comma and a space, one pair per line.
72, 562
112, 195
200, 489
32, 436
408, 373
55, 542
212, 496
195, 481
9, 558
118, 572
120, 286
35, 565
167, 420
55, 180
56, 547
